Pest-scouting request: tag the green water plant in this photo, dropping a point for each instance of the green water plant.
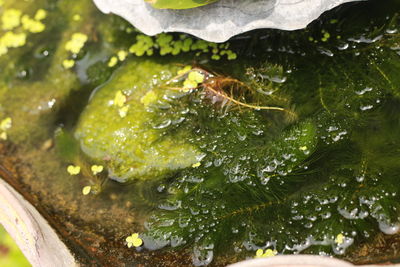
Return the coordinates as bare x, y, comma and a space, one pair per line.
316, 185
168, 44
141, 151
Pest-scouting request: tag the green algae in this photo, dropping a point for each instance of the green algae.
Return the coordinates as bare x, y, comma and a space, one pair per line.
130, 144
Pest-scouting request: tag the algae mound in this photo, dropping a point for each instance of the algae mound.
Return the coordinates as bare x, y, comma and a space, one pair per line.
119, 128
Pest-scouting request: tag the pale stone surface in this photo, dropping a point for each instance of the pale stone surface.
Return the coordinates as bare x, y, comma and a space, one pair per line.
35, 237
219, 21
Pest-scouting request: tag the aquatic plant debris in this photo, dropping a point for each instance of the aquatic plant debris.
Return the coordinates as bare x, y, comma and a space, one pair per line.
113, 62
339, 239
123, 111
73, 170
122, 54
86, 190
76, 43
134, 240
41, 14
196, 165
11, 19
5, 125
166, 44
260, 253
149, 98
68, 63
17, 26
119, 99
32, 25
96, 169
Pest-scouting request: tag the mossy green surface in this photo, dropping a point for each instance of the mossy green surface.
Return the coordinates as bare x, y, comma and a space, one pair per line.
133, 146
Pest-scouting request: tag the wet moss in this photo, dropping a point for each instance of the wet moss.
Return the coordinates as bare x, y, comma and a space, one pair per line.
118, 127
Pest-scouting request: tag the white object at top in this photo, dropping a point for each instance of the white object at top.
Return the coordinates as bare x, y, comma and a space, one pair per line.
220, 21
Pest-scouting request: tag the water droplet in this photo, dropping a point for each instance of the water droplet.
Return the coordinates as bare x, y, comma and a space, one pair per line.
389, 228
367, 107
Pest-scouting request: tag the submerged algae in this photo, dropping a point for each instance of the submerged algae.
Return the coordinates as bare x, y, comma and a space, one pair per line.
118, 125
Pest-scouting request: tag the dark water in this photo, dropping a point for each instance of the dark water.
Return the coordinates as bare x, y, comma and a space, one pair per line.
287, 141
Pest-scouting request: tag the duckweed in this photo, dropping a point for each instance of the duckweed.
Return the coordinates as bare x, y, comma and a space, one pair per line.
134, 240
123, 111
11, 19
13, 40
113, 62
260, 253
6, 124
32, 25
122, 54
339, 239
96, 169
149, 98
73, 170
166, 44
86, 190
196, 165
76, 43
41, 14
119, 99
68, 63
14, 19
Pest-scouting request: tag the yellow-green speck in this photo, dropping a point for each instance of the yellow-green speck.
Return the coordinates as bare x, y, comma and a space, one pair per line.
96, 169
339, 239
6, 124
196, 76
11, 19
122, 55
86, 190
113, 62
268, 253
73, 170
31, 25
196, 165
41, 14
134, 240
119, 99
149, 98
3, 136
185, 70
68, 63
76, 17
123, 111
13, 40
190, 84
76, 43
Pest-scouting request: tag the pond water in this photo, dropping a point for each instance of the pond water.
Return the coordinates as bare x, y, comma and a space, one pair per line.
272, 143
